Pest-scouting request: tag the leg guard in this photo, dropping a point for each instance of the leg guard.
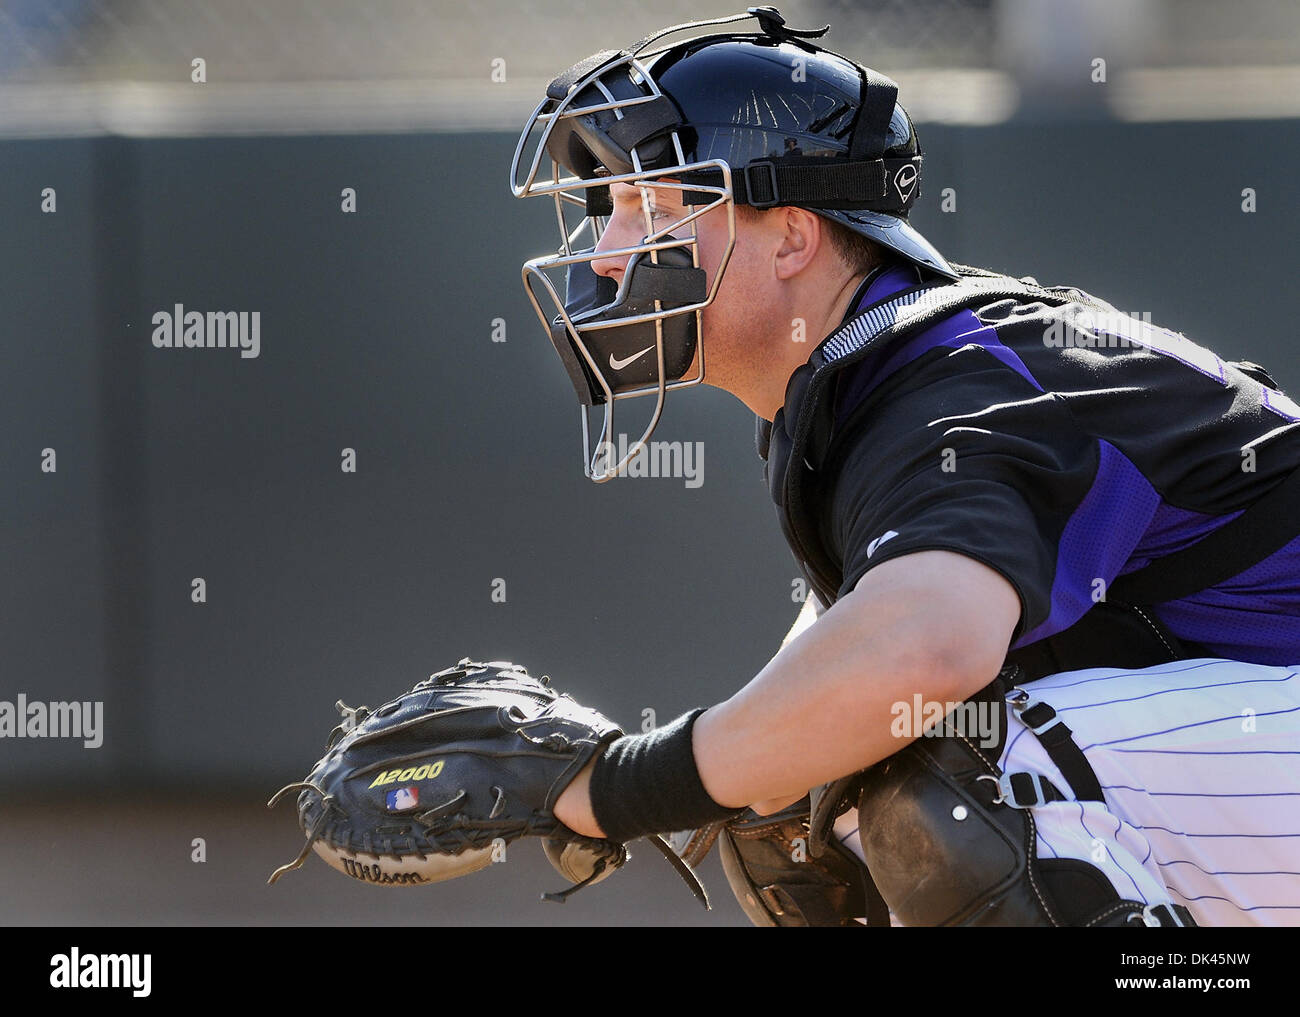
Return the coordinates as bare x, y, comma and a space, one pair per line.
950, 840
938, 848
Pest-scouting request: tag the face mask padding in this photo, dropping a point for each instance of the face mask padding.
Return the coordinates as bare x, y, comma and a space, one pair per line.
592, 298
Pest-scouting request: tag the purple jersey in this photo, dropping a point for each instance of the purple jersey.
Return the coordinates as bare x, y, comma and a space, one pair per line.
1063, 447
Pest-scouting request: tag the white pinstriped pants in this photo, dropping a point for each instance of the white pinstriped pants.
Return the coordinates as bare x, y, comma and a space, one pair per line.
1200, 764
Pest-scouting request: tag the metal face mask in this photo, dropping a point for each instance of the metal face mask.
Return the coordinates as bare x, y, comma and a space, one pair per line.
603, 122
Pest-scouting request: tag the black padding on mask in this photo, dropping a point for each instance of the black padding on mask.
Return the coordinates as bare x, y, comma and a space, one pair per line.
675, 282
642, 121
559, 88
672, 285
599, 202
585, 291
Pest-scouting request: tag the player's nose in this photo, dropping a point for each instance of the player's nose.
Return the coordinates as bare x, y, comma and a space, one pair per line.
619, 233
611, 267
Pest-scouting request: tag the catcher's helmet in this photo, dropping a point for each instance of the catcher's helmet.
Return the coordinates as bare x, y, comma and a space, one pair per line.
761, 119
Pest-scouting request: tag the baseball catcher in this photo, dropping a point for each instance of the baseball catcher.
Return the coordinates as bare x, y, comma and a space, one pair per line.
1045, 674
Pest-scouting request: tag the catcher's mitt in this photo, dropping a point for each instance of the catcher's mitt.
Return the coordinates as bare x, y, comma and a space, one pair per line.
436, 783
780, 876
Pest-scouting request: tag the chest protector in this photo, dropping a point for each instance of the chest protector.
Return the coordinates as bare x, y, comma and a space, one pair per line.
1120, 631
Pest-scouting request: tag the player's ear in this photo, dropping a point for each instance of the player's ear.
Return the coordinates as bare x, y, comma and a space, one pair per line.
799, 237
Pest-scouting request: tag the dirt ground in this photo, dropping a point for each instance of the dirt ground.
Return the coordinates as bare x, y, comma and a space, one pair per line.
128, 861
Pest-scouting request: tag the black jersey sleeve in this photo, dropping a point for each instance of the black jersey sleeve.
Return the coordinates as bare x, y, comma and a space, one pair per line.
961, 453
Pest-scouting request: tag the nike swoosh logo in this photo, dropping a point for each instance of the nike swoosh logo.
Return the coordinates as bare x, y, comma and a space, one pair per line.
618, 365
871, 548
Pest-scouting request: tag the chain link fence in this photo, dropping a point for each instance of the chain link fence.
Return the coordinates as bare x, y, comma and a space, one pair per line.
314, 40
300, 40
417, 64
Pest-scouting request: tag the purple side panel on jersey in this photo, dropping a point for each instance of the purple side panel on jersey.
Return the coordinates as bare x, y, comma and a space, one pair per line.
1172, 529
1254, 616
1097, 540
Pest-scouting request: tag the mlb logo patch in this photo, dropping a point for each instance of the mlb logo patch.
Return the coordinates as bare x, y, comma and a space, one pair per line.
402, 799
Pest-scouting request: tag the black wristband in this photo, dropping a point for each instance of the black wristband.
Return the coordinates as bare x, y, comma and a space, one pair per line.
648, 783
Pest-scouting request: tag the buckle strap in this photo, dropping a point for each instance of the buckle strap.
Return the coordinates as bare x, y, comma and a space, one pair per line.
879, 95
809, 182
1167, 916
758, 191
1058, 741
1025, 790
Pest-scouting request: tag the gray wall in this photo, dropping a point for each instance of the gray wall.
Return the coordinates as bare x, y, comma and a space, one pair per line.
375, 335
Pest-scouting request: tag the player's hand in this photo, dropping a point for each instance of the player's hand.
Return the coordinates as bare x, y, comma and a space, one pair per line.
573, 807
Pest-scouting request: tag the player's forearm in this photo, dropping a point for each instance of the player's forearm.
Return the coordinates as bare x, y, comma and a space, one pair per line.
933, 623
825, 705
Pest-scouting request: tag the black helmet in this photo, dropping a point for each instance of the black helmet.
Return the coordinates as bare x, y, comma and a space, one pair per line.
762, 119
787, 116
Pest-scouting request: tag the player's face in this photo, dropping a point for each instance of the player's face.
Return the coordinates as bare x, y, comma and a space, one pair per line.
642, 211
638, 213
